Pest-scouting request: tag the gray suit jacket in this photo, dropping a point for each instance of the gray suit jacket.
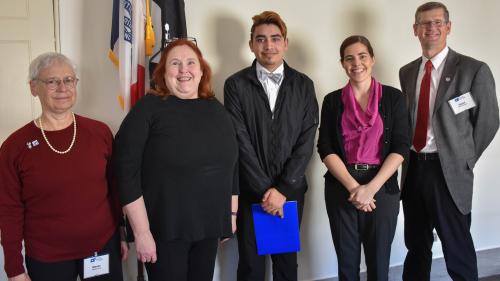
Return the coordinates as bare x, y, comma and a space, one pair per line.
461, 138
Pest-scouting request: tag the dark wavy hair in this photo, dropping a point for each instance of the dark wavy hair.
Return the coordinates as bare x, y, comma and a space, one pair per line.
353, 40
204, 88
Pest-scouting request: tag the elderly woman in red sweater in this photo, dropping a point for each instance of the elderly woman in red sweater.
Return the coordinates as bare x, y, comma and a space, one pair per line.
54, 186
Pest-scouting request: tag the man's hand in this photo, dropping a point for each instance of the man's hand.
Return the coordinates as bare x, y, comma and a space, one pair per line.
273, 201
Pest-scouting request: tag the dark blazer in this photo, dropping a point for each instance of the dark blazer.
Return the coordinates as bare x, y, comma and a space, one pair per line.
275, 147
461, 138
392, 109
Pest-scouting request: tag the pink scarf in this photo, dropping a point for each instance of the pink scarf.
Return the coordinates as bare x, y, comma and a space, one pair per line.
362, 130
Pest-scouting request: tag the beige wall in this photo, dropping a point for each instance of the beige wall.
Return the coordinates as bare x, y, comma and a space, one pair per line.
316, 29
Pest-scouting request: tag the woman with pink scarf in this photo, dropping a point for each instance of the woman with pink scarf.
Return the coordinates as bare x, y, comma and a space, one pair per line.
363, 139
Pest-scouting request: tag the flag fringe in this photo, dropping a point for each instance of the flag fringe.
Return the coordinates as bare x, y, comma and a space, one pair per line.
114, 59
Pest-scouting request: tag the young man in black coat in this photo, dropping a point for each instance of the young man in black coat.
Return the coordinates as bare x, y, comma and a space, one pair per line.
275, 113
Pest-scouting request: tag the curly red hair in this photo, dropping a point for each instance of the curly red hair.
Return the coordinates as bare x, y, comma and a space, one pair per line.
204, 88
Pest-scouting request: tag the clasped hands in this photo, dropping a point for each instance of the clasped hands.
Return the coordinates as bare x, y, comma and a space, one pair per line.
273, 201
362, 197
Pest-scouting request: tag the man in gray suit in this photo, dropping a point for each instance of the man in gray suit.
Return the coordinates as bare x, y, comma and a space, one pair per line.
454, 117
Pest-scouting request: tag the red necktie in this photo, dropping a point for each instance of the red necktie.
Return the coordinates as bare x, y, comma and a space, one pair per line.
420, 137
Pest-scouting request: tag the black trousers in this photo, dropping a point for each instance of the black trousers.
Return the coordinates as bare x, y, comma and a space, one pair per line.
251, 266
427, 204
69, 270
184, 260
352, 228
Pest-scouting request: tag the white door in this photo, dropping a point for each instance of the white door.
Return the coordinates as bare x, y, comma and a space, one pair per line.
26, 30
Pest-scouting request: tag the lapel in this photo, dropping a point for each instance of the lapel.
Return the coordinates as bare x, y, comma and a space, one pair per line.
411, 86
449, 71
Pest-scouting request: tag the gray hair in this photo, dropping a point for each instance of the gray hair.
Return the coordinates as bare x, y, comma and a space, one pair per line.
45, 60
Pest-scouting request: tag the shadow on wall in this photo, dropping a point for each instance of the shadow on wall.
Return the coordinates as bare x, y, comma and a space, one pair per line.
231, 37
99, 85
296, 56
361, 21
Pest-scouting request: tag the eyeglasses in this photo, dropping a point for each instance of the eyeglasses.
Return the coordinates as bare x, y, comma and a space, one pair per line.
436, 23
53, 83
173, 39
168, 41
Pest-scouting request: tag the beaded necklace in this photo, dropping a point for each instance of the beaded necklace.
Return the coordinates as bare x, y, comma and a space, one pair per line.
47, 140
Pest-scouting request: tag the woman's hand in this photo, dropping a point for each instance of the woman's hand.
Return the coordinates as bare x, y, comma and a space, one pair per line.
20, 277
144, 241
362, 198
124, 250
146, 247
368, 208
124, 247
233, 226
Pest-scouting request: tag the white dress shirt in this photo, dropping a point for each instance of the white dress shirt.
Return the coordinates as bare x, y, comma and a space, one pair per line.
438, 62
270, 87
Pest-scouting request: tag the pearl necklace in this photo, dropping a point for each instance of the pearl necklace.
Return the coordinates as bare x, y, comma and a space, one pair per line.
50, 145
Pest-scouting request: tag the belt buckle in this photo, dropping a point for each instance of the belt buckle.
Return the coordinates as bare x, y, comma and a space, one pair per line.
361, 167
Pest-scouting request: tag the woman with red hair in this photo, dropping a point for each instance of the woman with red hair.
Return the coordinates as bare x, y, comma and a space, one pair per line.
176, 155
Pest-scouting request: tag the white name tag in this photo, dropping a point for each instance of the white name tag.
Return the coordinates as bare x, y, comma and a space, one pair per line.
95, 266
462, 103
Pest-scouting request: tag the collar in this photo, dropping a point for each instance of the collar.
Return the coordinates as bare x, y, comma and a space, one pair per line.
438, 59
259, 68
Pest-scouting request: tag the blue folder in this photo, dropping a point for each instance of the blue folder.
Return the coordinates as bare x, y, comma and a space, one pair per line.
275, 235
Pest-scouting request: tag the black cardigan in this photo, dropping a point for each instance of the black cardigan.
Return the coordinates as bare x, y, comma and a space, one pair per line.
392, 109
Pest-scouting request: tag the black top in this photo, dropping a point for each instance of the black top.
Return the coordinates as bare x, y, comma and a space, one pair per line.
392, 109
181, 156
275, 147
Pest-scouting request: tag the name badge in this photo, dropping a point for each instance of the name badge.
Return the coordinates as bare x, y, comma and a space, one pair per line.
462, 103
95, 266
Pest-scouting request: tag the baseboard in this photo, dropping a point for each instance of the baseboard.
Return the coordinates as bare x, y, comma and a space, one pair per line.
488, 265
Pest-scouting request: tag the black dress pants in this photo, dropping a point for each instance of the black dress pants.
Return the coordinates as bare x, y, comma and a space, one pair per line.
352, 228
427, 204
184, 261
251, 266
69, 270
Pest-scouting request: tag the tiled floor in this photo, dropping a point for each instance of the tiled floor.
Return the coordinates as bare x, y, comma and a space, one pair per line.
488, 264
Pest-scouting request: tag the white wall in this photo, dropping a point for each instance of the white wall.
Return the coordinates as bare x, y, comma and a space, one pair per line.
316, 30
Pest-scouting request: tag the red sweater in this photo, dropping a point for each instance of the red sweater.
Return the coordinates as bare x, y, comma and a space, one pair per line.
60, 205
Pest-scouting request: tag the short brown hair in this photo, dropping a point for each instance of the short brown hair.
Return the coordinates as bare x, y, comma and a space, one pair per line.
268, 17
204, 88
353, 40
431, 6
